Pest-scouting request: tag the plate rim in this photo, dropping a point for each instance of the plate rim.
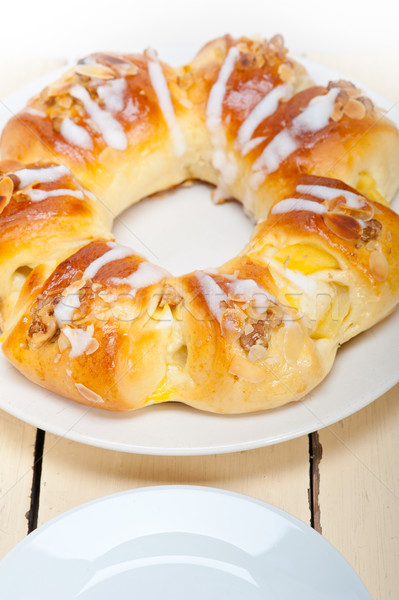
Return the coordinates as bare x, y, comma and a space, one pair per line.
305, 529
206, 449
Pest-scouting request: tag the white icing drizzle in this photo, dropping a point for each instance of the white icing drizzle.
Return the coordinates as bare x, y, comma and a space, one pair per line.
282, 145
65, 308
161, 89
35, 112
328, 193
212, 293
245, 289
224, 163
131, 110
314, 118
79, 338
216, 96
265, 108
43, 175
75, 134
294, 204
38, 195
112, 93
248, 288
317, 114
145, 275
111, 130
117, 252
249, 146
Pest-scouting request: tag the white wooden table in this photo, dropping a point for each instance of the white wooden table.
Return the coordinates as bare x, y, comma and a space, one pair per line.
343, 480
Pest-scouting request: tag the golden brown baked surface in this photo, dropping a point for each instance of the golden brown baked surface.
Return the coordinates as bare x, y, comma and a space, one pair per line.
315, 166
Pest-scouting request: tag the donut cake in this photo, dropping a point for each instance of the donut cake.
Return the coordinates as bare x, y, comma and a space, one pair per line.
315, 166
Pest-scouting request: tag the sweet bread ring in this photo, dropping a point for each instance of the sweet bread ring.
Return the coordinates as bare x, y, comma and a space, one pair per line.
96, 322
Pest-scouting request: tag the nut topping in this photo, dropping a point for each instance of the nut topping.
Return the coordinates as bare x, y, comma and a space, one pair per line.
371, 230
293, 342
43, 327
344, 226
96, 71
6, 191
354, 109
378, 264
246, 370
257, 334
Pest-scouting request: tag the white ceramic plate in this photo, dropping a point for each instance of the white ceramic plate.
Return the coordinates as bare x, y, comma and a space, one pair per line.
174, 543
365, 367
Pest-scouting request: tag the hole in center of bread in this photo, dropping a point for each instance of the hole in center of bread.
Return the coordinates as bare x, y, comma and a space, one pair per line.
183, 229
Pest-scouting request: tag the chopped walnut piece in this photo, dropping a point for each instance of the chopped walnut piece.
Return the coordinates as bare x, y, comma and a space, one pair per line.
43, 327
257, 334
259, 331
170, 296
371, 230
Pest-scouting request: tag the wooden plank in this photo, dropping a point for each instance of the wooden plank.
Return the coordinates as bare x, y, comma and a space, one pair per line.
359, 493
73, 473
17, 444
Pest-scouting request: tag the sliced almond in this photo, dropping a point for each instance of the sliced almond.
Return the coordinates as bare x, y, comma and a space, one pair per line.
92, 346
186, 103
286, 72
65, 101
131, 70
248, 329
292, 342
88, 394
364, 210
6, 192
74, 287
378, 264
58, 88
257, 353
63, 342
354, 109
95, 71
344, 226
244, 369
232, 323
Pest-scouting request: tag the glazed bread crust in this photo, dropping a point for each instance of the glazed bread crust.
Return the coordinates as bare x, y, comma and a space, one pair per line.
315, 166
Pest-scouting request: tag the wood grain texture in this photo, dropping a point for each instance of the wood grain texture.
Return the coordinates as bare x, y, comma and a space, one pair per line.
73, 473
359, 493
17, 443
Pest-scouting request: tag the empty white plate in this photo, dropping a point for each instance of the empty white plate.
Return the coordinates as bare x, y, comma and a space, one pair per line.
177, 543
